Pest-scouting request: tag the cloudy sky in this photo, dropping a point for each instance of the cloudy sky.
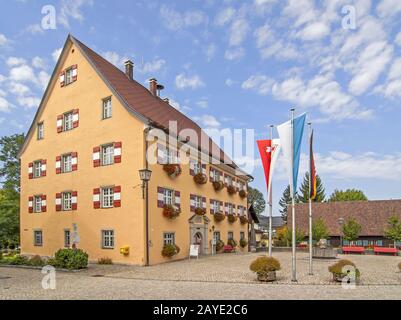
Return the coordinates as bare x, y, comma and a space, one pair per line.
237, 64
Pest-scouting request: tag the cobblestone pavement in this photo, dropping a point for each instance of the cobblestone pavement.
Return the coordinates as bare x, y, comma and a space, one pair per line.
219, 277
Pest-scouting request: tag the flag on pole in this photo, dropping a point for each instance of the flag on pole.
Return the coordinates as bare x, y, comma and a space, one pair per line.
269, 151
291, 145
312, 170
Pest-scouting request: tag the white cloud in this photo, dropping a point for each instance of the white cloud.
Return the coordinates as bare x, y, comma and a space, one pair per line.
207, 121
19, 89
210, 51
175, 20
3, 40
39, 63
259, 83
28, 102
22, 73
203, 103
153, 66
72, 9
314, 31
398, 39
14, 61
238, 32
5, 106
392, 87
115, 58
229, 82
388, 8
225, 16
35, 29
183, 81
234, 53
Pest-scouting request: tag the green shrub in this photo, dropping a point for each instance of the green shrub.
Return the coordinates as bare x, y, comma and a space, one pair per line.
104, 260
232, 242
1, 255
71, 259
18, 260
338, 270
36, 261
243, 243
170, 250
263, 265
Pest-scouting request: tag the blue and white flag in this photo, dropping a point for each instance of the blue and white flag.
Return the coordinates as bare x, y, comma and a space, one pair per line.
291, 139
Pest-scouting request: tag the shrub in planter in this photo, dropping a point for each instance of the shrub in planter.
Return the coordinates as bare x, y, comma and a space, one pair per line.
71, 259
243, 194
243, 219
200, 178
218, 216
232, 218
172, 169
170, 250
265, 268
232, 243
231, 189
170, 211
218, 185
200, 211
339, 270
219, 245
243, 243
36, 261
104, 260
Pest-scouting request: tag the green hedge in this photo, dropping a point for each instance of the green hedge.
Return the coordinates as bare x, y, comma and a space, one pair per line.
70, 259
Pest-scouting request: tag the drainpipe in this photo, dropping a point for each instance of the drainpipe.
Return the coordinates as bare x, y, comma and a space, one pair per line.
145, 133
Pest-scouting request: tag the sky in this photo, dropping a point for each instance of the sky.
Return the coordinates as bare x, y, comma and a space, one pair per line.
238, 65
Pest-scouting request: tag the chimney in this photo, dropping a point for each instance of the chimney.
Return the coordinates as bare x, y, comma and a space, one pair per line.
153, 86
129, 69
167, 100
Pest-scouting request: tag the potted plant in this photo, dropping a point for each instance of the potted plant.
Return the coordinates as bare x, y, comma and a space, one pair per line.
344, 268
200, 178
243, 193
170, 211
231, 189
243, 243
232, 243
219, 216
170, 250
232, 218
218, 185
219, 245
173, 170
243, 219
265, 268
200, 211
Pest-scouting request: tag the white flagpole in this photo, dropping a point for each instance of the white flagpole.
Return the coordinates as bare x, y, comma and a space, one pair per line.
310, 203
294, 242
271, 194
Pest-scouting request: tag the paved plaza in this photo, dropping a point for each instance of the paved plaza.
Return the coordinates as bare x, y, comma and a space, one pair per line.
225, 276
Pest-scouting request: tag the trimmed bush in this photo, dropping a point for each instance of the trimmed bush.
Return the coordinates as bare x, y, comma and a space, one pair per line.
340, 272
104, 260
18, 260
218, 185
71, 259
262, 265
170, 250
36, 261
200, 178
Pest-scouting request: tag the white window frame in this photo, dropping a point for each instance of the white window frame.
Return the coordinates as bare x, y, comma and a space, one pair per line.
216, 206
37, 169
37, 204
40, 131
69, 76
67, 238
107, 108
68, 121
216, 236
230, 208
108, 239
216, 176
241, 210
230, 235
107, 152
229, 180
168, 196
107, 197
38, 238
198, 202
170, 156
66, 161
168, 238
66, 201
197, 167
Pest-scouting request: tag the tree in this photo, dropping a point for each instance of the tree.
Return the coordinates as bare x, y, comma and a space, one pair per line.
9, 220
299, 236
256, 199
285, 201
351, 229
304, 190
9, 161
348, 195
319, 230
394, 229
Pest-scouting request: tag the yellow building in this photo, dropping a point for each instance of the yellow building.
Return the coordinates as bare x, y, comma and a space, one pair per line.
93, 131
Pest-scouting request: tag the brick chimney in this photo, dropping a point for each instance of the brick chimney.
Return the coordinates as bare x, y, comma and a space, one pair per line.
153, 86
129, 69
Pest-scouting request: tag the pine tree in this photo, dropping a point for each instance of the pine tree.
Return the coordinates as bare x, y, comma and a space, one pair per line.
285, 201
304, 190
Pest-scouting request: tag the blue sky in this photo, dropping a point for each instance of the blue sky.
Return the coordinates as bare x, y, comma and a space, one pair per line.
237, 64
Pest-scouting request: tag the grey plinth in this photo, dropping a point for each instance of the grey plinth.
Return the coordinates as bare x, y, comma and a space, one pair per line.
324, 253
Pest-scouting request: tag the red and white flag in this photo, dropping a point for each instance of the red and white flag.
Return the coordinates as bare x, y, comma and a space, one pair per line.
269, 151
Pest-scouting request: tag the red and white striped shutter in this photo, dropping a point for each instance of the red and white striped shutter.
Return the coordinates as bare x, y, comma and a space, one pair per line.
212, 206
236, 185
211, 174
43, 167
234, 210
44, 203
161, 154
204, 203
74, 72
225, 180
30, 204
221, 177
58, 201
62, 79
59, 123
222, 206
177, 199
96, 198
74, 200
192, 203
204, 169
160, 197
117, 151
74, 161
96, 156
191, 167
75, 118
30, 170
58, 164
117, 196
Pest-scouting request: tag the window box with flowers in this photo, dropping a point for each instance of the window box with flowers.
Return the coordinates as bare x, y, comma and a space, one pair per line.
219, 216
243, 219
200, 211
231, 189
170, 211
200, 178
243, 193
231, 242
243, 243
228, 249
218, 185
232, 218
173, 170
170, 250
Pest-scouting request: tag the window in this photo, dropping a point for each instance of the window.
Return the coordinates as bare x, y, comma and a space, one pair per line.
66, 201
107, 239
67, 121
107, 197
216, 206
216, 236
242, 235
107, 108
68, 76
241, 211
67, 238
197, 168
169, 238
230, 208
37, 169
40, 131
168, 197
216, 176
37, 204
240, 185
170, 156
107, 154
230, 235
229, 180
37, 238
198, 202
67, 164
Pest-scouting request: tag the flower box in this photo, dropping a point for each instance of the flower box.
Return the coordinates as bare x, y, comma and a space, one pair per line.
200, 211
170, 211
232, 218
243, 219
231, 189
173, 170
219, 216
200, 178
218, 185
170, 250
243, 194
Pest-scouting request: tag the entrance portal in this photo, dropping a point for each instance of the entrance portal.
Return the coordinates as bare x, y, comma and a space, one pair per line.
198, 238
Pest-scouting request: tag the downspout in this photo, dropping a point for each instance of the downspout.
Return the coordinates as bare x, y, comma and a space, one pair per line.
145, 133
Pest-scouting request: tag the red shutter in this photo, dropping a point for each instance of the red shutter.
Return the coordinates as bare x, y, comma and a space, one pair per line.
204, 203
43, 167
44, 204
211, 206
74, 72
192, 203
74, 200
96, 156
96, 198
177, 199
204, 169
117, 151
191, 167
58, 164
117, 196
160, 197
58, 201
75, 118
74, 161
62, 79
30, 204
30, 170
59, 123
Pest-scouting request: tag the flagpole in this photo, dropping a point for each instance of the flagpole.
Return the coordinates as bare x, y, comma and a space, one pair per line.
294, 266
270, 196
310, 204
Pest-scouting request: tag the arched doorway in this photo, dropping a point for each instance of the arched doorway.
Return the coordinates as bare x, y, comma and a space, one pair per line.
198, 239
